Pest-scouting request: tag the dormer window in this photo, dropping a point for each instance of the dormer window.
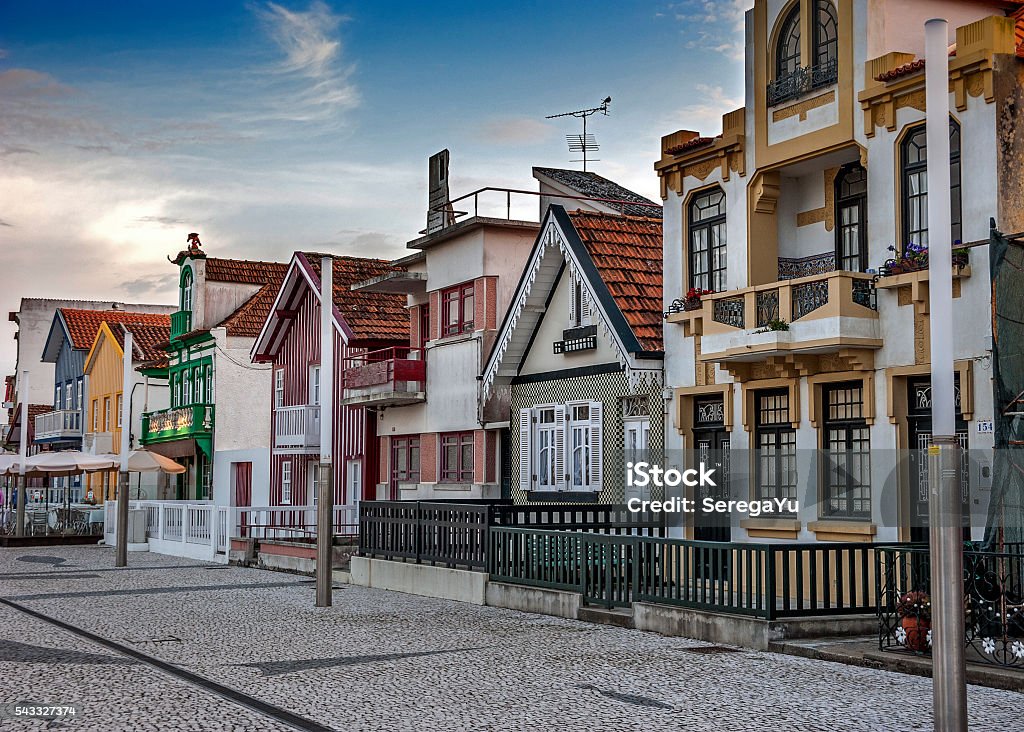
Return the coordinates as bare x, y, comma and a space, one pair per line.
186, 289
579, 305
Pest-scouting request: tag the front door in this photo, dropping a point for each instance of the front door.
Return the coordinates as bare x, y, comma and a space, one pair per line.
711, 447
919, 422
637, 434
243, 494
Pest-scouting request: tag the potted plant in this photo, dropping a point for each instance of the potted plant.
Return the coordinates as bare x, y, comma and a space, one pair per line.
915, 613
693, 296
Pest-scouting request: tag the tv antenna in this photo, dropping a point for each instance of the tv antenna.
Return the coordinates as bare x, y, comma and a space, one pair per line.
584, 143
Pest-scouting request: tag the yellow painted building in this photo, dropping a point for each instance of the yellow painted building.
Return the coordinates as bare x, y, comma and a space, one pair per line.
105, 394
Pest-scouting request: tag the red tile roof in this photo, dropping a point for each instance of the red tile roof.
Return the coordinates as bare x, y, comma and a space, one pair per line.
248, 320
243, 271
904, 70
627, 253
83, 325
147, 338
371, 315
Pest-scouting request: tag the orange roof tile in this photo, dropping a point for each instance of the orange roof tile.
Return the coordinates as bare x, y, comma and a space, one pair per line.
371, 315
147, 338
248, 320
627, 253
83, 325
244, 271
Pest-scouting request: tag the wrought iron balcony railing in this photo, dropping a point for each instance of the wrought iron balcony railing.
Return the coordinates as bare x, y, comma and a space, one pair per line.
802, 80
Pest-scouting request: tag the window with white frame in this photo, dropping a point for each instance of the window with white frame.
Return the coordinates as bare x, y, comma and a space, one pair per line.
120, 409
69, 395
312, 482
56, 397
314, 384
560, 447
279, 388
80, 384
186, 389
286, 482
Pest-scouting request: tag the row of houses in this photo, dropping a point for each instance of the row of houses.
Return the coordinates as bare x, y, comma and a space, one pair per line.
769, 316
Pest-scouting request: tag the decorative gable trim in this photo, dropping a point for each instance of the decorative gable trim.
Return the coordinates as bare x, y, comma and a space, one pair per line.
529, 306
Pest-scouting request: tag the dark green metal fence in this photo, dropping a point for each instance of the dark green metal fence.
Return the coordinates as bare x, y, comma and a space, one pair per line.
765, 580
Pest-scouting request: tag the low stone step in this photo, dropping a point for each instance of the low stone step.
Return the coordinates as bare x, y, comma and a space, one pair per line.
620, 616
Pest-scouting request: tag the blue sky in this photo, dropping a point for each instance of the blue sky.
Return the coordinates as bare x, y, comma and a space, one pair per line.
268, 127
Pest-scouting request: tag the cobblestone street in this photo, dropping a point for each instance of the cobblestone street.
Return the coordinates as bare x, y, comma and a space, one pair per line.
387, 661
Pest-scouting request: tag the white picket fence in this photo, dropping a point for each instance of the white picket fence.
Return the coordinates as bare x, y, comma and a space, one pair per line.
201, 530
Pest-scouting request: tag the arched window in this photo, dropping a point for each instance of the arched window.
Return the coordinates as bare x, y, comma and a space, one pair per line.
787, 53
851, 219
914, 166
826, 35
707, 255
186, 289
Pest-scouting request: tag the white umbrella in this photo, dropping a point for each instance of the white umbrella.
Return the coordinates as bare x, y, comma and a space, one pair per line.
145, 461
64, 463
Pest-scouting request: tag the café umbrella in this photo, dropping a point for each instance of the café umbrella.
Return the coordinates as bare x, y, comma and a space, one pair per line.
146, 461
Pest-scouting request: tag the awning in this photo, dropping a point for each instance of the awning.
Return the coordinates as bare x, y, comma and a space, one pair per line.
174, 448
185, 447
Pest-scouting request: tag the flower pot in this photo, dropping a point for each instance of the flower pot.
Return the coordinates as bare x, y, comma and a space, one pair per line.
917, 632
692, 303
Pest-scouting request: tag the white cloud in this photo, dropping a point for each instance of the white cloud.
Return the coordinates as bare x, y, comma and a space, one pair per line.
704, 114
313, 53
716, 25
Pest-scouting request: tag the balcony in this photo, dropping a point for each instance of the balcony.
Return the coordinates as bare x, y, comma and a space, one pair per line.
802, 80
58, 426
389, 377
815, 315
181, 323
298, 426
177, 423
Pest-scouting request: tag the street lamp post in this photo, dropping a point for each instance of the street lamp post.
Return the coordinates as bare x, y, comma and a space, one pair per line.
949, 689
23, 396
325, 486
121, 559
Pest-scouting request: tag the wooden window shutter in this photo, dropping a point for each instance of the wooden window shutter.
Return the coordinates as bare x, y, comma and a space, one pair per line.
561, 477
596, 443
525, 429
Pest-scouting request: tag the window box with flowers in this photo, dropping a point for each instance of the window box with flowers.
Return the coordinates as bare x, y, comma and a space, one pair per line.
692, 300
914, 258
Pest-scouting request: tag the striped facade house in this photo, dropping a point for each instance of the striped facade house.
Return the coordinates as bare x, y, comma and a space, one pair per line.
581, 352
289, 342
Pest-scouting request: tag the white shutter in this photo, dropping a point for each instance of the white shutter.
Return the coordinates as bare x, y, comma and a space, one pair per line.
596, 444
573, 286
525, 432
584, 305
560, 456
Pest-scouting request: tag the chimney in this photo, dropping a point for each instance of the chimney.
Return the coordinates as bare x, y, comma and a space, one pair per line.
439, 210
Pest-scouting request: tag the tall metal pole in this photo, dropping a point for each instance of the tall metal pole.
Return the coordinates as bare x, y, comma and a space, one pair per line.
23, 396
122, 475
949, 690
325, 486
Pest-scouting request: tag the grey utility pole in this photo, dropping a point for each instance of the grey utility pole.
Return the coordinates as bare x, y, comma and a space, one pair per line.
325, 486
121, 550
949, 690
23, 397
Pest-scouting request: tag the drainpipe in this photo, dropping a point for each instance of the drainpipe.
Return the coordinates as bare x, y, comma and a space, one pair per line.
121, 560
325, 488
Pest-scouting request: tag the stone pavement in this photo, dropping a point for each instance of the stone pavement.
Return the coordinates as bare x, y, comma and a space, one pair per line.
386, 661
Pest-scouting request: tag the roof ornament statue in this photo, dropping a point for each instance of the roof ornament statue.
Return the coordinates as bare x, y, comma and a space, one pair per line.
192, 250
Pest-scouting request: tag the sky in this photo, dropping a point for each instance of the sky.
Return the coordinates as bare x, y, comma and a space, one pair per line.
269, 127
